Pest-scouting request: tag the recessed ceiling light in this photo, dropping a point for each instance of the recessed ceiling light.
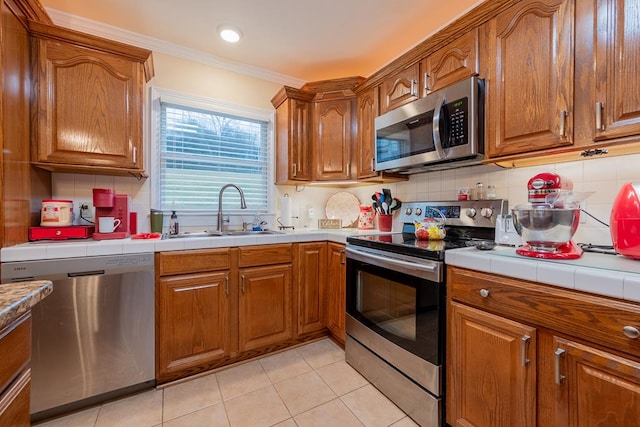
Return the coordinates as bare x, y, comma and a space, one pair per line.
229, 33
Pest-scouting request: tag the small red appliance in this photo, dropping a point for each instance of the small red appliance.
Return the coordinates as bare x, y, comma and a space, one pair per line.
543, 184
539, 187
624, 223
109, 204
60, 233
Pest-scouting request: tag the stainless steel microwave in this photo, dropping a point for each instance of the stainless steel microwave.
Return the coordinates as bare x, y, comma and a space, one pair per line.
443, 130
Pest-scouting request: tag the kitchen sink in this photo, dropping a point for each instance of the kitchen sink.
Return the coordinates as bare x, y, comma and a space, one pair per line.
224, 233
251, 232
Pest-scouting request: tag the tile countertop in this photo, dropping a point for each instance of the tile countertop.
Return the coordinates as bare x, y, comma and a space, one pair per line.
82, 248
608, 275
18, 298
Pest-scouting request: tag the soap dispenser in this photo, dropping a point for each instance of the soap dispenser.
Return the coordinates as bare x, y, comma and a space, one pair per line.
173, 224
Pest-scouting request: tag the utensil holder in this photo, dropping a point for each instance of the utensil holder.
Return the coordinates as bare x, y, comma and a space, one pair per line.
385, 222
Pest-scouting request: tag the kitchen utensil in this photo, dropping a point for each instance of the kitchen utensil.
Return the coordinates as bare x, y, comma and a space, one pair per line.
483, 245
624, 224
398, 204
546, 230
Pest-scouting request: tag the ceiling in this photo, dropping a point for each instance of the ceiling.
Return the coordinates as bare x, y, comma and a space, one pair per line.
297, 39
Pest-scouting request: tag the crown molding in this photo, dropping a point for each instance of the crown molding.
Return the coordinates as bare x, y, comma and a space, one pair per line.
110, 32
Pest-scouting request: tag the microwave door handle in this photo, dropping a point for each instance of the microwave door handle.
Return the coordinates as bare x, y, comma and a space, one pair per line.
437, 142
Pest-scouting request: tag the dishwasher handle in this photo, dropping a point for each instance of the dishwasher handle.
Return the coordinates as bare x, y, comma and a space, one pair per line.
86, 273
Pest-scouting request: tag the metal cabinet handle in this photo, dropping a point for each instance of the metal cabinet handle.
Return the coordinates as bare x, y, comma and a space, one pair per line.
226, 285
559, 378
426, 83
631, 332
373, 164
243, 283
563, 123
484, 293
195, 288
343, 257
525, 340
599, 110
414, 92
295, 169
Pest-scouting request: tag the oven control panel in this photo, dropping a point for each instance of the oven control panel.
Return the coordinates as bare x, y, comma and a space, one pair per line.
468, 213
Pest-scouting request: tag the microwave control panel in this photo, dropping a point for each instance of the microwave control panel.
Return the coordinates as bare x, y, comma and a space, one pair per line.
458, 112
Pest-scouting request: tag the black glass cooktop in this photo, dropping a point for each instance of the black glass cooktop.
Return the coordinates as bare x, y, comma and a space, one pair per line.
407, 244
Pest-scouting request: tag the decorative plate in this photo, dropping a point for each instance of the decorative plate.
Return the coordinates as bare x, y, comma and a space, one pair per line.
344, 206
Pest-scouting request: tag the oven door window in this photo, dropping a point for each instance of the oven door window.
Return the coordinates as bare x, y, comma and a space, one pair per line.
403, 309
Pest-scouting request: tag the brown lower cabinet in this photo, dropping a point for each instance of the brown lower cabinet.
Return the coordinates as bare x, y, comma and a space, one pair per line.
336, 291
219, 306
522, 353
15, 375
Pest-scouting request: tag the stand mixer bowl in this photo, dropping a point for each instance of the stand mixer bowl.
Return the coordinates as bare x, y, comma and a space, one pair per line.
545, 228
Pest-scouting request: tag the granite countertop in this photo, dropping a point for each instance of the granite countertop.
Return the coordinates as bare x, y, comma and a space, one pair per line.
18, 298
48, 249
608, 275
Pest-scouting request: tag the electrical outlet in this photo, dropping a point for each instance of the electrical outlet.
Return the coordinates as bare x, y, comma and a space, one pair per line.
85, 211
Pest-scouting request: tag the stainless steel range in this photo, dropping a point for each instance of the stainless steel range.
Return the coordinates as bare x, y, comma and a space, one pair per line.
396, 298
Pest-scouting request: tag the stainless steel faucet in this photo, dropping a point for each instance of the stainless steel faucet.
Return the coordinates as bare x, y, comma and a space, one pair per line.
243, 204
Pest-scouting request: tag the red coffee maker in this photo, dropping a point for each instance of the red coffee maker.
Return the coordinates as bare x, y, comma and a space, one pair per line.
109, 204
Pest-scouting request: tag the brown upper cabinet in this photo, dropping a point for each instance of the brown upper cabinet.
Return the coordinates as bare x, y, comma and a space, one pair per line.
450, 64
559, 77
293, 135
88, 102
528, 67
316, 125
607, 65
400, 88
367, 111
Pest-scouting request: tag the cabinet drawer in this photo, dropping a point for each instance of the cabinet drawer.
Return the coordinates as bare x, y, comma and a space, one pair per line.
593, 318
193, 261
265, 255
15, 348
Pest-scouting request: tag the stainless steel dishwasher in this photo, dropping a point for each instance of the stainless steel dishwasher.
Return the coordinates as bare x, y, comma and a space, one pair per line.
93, 337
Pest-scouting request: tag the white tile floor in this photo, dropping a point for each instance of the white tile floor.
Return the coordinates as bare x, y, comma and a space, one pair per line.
310, 386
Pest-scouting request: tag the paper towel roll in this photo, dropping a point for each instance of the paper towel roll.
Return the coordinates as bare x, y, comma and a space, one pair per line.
285, 211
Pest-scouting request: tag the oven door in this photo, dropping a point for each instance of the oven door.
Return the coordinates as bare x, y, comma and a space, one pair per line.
396, 307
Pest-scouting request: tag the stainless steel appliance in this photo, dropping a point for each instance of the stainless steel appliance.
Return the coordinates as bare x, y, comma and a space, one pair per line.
93, 337
396, 290
445, 129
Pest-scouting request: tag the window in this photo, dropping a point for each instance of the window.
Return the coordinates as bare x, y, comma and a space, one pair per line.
203, 145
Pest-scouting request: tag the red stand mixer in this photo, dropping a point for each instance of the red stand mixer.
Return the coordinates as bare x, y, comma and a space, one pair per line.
109, 204
551, 218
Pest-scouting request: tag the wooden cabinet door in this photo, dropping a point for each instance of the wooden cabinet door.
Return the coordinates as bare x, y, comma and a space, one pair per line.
528, 65
14, 402
589, 387
456, 61
400, 88
333, 138
336, 290
265, 306
310, 286
293, 141
89, 107
193, 326
607, 66
492, 370
367, 112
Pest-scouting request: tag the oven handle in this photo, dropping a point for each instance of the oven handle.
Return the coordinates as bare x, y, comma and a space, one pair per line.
390, 261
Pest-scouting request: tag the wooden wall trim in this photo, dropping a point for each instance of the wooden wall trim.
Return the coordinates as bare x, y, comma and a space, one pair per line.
31, 9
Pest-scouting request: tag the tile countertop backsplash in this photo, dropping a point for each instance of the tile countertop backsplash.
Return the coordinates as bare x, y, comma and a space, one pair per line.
608, 275
603, 176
